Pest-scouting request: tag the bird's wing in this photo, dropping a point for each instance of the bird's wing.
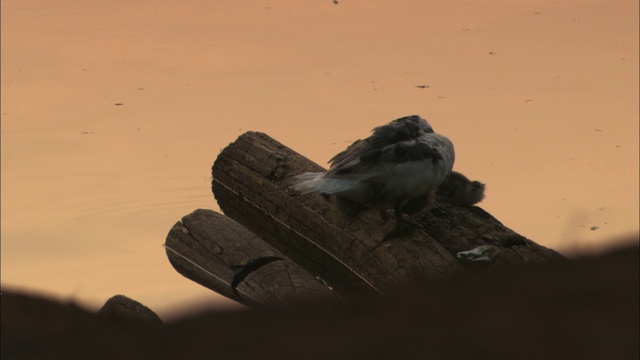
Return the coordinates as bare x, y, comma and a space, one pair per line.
397, 131
378, 164
354, 151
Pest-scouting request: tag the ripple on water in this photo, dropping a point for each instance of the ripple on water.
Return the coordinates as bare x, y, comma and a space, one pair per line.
150, 201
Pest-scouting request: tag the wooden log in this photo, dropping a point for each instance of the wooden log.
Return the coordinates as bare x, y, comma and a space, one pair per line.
252, 180
222, 255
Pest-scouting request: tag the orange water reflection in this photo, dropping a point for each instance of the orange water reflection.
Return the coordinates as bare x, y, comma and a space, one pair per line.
540, 98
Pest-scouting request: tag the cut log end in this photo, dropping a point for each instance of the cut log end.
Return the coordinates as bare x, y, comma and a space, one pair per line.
220, 254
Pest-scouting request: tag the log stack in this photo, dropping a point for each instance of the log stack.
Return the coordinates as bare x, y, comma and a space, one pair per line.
274, 245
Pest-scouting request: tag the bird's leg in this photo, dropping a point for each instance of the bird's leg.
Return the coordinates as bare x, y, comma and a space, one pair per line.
401, 219
404, 225
385, 215
415, 205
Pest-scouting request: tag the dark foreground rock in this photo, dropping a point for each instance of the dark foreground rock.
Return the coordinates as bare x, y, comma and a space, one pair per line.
124, 310
578, 309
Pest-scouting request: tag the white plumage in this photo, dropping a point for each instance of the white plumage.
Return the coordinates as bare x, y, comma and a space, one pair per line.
398, 167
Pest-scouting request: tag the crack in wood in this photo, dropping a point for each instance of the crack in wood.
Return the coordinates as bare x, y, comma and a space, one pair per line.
242, 271
186, 259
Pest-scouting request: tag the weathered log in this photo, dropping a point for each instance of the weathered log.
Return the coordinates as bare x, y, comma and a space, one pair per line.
220, 254
252, 180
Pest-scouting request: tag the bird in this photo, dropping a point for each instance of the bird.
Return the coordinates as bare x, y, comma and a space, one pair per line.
458, 190
397, 168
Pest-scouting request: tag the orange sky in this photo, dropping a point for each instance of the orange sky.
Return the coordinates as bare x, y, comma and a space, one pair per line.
539, 97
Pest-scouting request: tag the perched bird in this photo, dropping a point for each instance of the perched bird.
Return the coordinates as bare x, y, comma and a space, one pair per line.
458, 190
398, 167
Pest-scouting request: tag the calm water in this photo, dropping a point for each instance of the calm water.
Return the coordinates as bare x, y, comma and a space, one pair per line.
540, 99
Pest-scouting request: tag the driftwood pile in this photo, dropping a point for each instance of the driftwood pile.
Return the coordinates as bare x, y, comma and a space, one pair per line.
274, 245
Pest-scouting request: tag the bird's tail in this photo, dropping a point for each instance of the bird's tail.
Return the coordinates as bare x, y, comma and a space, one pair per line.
316, 182
308, 182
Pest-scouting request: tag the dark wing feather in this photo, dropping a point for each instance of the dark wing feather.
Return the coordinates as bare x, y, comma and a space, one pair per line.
376, 162
354, 151
402, 129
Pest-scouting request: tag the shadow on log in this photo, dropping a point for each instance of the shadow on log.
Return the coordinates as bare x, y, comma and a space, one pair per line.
252, 180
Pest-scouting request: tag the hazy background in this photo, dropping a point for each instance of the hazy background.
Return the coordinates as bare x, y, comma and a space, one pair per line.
114, 111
